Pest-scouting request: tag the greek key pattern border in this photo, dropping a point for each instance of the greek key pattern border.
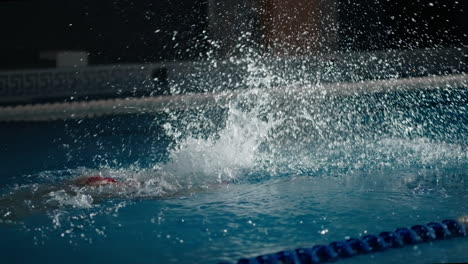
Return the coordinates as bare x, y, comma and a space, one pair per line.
28, 85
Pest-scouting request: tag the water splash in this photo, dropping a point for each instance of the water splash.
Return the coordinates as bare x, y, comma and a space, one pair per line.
281, 126
275, 131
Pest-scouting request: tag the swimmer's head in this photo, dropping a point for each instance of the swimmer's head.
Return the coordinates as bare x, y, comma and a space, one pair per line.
94, 181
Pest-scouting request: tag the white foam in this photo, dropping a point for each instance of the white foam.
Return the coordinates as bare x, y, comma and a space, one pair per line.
220, 157
63, 199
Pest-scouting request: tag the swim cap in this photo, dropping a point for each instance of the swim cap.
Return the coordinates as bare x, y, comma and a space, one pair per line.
99, 179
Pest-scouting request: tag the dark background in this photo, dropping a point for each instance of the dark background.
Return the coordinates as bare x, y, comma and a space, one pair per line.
143, 31
402, 24
112, 31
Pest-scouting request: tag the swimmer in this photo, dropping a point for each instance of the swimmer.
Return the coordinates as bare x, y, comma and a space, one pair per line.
39, 197
44, 197
93, 189
93, 181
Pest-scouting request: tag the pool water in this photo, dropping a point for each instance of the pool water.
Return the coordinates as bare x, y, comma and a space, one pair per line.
252, 177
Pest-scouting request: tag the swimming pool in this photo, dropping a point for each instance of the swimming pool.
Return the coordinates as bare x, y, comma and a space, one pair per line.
261, 174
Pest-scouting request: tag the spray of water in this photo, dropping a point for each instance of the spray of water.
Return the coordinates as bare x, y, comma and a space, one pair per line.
274, 129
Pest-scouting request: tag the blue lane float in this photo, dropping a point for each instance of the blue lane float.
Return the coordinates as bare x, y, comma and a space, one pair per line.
367, 244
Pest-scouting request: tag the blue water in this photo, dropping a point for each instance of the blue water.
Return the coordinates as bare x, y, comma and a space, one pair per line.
365, 166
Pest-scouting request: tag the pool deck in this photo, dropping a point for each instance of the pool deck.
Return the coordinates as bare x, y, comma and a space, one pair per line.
158, 104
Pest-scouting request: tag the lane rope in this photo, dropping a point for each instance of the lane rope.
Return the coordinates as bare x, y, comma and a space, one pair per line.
336, 250
159, 104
